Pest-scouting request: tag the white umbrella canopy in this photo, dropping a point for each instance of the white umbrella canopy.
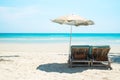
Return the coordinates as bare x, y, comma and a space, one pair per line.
73, 20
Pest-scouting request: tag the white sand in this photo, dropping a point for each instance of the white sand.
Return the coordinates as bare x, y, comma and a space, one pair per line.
49, 62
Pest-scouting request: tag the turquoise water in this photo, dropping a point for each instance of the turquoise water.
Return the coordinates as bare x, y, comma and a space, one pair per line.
77, 38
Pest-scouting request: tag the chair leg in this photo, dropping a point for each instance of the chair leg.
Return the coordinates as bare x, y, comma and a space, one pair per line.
109, 65
69, 63
91, 61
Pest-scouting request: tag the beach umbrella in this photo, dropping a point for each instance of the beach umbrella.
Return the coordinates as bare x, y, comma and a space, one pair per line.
73, 20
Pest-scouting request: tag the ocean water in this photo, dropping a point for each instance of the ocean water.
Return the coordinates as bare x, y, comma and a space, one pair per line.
77, 38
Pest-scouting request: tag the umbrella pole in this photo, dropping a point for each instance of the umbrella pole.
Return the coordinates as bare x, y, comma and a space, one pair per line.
70, 40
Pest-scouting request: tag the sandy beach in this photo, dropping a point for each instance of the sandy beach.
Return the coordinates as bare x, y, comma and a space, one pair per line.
36, 37
37, 61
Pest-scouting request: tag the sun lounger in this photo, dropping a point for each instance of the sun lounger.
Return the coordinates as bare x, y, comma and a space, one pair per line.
99, 55
79, 56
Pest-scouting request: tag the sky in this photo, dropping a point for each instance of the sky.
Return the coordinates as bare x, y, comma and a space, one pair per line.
34, 16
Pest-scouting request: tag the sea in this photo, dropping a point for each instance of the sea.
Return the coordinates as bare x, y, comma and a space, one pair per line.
76, 38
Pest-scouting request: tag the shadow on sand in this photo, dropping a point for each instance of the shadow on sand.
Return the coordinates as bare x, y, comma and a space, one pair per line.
11, 56
3, 58
115, 58
63, 68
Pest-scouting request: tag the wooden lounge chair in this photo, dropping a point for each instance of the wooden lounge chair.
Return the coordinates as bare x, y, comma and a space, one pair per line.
99, 55
79, 56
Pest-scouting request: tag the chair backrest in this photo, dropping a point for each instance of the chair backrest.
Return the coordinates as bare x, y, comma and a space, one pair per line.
100, 53
80, 52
